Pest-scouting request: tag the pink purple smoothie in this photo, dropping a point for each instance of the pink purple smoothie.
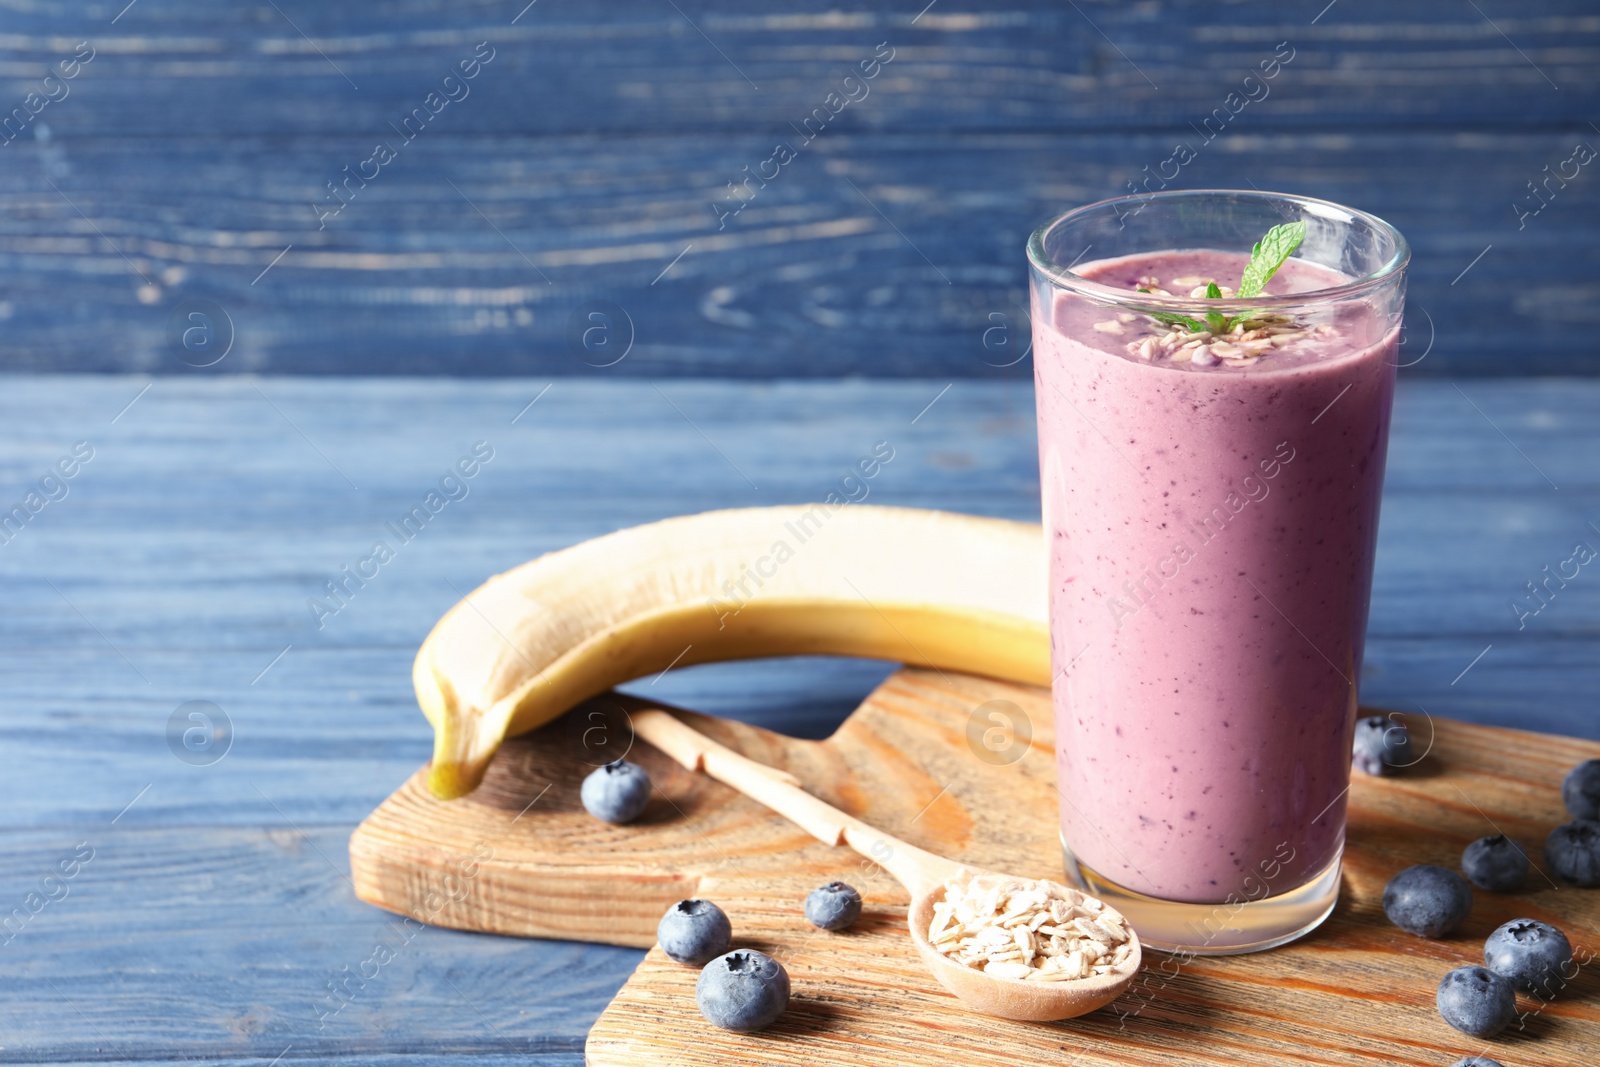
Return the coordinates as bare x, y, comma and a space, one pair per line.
1213, 534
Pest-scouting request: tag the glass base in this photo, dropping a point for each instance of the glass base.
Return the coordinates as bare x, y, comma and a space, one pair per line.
1216, 929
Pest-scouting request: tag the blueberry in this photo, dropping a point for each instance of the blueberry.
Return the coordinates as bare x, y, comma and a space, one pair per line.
833, 907
1382, 745
1496, 863
1580, 789
1573, 851
1476, 1001
1427, 901
744, 990
694, 931
1477, 1061
616, 792
1532, 955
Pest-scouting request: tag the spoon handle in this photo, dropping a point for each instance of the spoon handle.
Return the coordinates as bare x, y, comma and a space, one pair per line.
919, 871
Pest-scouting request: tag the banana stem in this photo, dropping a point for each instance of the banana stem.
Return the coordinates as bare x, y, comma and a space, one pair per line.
919, 871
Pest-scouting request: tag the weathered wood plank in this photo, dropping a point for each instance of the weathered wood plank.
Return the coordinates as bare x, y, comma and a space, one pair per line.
185, 941
194, 538
1350, 994
319, 743
359, 1058
808, 280
601, 143
190, 68
354, 1058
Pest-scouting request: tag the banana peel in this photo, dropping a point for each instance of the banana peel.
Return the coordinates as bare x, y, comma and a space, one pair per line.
926, 588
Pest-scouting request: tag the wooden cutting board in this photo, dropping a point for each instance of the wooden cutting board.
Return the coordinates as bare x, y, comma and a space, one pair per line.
521, 857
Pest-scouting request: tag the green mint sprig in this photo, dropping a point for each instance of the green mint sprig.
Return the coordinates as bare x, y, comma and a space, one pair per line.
1277, 245
1268, 254
1218, 323
1195, 325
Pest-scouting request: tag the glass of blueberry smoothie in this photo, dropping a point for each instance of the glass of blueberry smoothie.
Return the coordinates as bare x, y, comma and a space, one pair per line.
1214, 375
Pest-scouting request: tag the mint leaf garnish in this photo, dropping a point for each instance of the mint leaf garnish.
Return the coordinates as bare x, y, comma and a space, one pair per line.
1217, 322
1268, 255
1194, 325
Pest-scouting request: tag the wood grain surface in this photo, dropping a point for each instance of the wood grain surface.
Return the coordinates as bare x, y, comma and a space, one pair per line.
522, 857
217, 908
632, 65
190, 159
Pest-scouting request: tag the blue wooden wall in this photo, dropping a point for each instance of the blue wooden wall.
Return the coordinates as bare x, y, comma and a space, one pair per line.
585, 165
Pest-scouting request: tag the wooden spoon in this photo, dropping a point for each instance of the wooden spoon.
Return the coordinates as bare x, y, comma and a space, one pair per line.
923, 874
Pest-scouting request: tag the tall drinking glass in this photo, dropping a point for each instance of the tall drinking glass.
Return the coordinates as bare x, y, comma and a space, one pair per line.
1211, 470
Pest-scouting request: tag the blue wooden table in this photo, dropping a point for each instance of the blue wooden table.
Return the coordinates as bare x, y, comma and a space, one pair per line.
209, 904
622, 152
764, 322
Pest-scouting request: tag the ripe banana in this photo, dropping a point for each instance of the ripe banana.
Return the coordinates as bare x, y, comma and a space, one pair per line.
927, 588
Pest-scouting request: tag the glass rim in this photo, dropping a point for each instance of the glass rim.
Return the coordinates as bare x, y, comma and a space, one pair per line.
1064, 278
